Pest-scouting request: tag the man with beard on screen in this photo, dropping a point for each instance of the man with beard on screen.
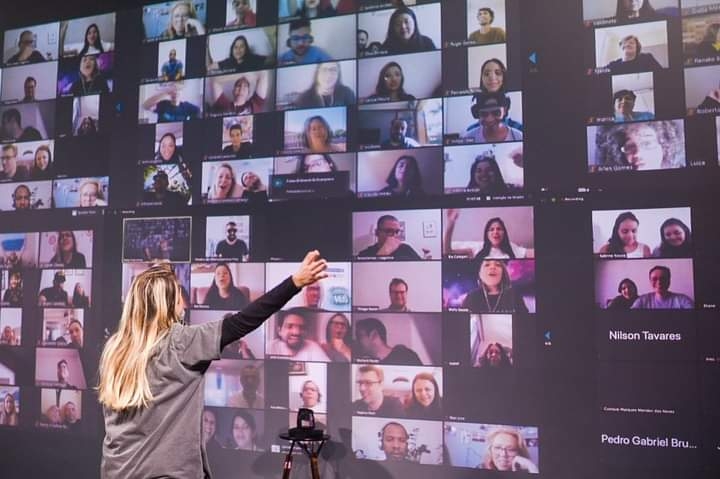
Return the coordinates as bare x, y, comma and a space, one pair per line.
398, 138
291, 328
231, 246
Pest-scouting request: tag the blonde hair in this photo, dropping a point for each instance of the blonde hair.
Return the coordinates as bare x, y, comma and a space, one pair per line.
147, 316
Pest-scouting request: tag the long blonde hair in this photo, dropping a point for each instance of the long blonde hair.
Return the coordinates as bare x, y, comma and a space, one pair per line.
148, 314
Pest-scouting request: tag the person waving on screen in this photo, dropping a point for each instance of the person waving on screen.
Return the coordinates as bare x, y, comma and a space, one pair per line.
152, 373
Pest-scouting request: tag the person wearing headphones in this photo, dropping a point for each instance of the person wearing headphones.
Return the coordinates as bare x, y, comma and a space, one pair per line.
394, 441
299, 42
491, 109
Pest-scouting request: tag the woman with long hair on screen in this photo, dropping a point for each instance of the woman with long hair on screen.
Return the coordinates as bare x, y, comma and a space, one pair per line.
425, 400
42, 161
223, 294
93, 43
338, 338
91, 194
675, 240
322, 163
79, 298
66, 252
240, 58
390, 84
495, 244
90, 80
403, 34
495, 356
628, 294
183, 22
244, 15
493, 75
623, 240
317, 135
327, 88
152, 372
507, 451
404, 179
168, 151
494, 293
634, 10
8, 412
244, 433
316, 9
8, 337
224, 185
13, 295
485, 176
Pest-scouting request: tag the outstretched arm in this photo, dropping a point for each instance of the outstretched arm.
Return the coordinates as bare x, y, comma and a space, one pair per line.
238, 325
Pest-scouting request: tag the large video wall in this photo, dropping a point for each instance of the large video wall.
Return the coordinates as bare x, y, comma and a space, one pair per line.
479, 315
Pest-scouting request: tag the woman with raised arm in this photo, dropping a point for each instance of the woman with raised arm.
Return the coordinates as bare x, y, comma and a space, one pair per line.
152, 372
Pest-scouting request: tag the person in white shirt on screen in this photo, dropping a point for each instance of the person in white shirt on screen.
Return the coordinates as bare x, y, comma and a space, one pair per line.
662, 297
249, 396
496, 241
491, 109
291, 338
398, 138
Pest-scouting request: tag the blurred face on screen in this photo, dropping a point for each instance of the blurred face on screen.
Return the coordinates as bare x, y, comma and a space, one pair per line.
627, 290
395, 442
167, 148
250, 379
403, 26
369, 387
398, 296
485, 176
625, 104
236, 137
231, 232
63, 373
239, 49
180, 16
89, 194
310, 394
327, 77
53, 415
22, 197
29, 88
632, 5
241, 92
88, 65
492, 77
660, 281
242, 433
316, 164
389, 228
402, 171
14, 281
300, 41
224, 180
629, 49
9, 404
362, 39
208, 424
504, 450
92, 35
318, 133
496, 233
642, 149
292, 331
76, 334
240, 6
393, 79
42, 159
338, 327
70, 412
398, 129
494, 355
9, 161
627, 231
674, 235
312, 3
222, 278
424, 391
312, 295
484, 17
491, 273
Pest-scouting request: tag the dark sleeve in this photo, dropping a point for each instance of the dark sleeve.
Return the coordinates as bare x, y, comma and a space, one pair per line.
239, 324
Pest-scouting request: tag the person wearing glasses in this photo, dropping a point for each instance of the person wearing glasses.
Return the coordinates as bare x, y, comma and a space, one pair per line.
388, 244
369, 381
491, 109
300, 43
624, 105
10, 169
507, 451
232, 247
652, 145
27, 53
